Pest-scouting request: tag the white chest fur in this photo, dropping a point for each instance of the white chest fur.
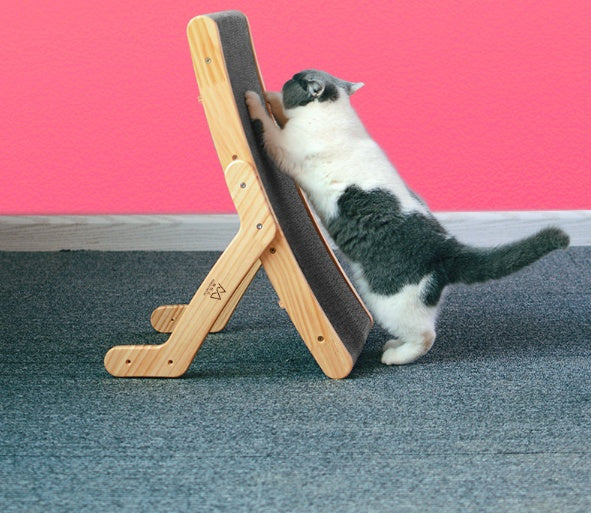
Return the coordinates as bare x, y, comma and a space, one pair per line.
328, 150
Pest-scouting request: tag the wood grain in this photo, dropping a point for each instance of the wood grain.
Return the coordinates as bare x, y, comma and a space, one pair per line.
257, 230
165, 317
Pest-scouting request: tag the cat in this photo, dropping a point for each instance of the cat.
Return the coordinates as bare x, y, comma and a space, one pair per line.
401, 257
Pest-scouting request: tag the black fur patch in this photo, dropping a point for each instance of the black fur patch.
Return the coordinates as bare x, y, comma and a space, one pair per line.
330, 93
295, 93
394, 248
259, 130
397, 249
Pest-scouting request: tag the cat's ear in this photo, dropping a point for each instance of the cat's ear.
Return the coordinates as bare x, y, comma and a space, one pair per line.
354, 86
315, 88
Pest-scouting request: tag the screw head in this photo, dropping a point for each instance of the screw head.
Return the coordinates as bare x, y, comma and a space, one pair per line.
259, 226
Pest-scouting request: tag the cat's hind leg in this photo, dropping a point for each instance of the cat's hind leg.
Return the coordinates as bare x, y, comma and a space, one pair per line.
407, 318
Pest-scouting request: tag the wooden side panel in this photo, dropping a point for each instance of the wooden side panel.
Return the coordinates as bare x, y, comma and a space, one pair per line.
215, 92
279, 262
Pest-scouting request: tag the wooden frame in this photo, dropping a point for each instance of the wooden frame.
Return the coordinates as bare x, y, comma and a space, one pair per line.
261, 239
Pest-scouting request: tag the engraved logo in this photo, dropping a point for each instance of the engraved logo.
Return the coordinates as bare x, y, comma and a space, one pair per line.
215, 290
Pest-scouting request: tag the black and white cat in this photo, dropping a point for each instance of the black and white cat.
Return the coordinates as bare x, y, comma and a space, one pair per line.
401, 257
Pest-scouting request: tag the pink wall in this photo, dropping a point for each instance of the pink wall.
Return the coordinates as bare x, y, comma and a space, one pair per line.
481, 105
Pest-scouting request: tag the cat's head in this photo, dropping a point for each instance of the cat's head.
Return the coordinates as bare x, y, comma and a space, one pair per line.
315, 86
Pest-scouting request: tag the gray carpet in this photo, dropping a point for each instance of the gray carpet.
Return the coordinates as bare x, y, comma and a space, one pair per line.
495, 418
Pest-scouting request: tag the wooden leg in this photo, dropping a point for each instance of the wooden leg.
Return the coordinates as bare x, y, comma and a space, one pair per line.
257, 230
165, 317
304, 310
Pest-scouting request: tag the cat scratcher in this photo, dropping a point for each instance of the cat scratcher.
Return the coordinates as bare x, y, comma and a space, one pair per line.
276, 231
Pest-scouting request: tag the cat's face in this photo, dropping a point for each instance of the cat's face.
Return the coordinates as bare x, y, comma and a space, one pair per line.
315, 86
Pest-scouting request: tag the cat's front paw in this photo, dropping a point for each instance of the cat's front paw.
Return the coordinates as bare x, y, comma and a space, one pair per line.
254, 104
275, 102
273, 97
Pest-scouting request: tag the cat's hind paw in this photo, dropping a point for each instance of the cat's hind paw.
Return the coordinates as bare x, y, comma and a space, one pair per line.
399, 352
390, 356
397, 356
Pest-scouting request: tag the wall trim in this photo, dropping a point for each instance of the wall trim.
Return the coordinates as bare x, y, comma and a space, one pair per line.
214, 232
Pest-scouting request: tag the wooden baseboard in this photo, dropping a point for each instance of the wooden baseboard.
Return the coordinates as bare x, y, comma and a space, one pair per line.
117, 232
493, 228
214, 232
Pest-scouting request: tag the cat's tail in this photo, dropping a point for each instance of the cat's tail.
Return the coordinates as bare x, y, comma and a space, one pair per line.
472, 265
